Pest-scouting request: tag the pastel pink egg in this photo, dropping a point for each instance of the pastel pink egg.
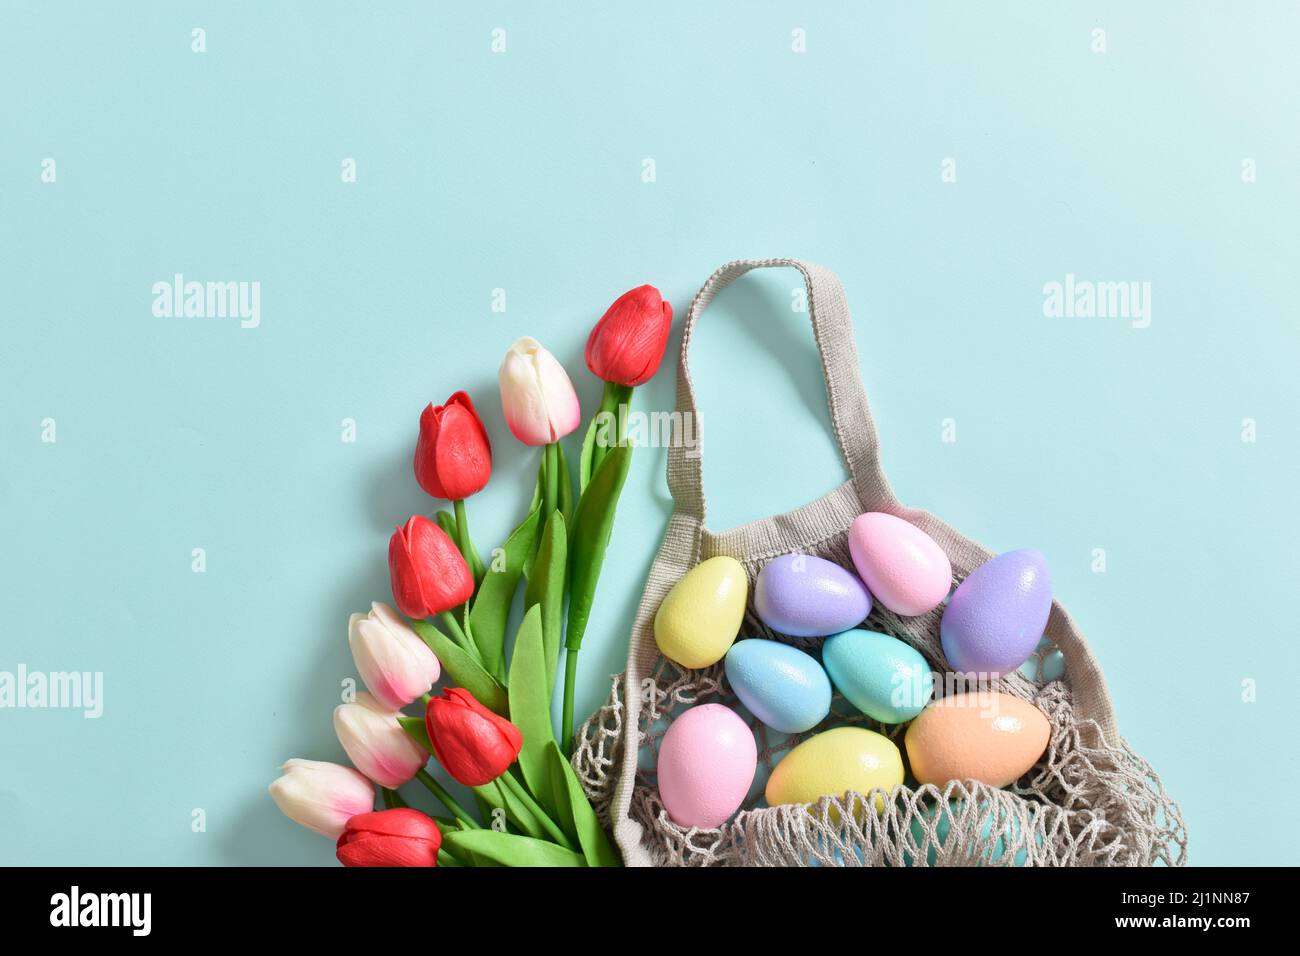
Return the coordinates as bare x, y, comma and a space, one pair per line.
707, 762
902, 566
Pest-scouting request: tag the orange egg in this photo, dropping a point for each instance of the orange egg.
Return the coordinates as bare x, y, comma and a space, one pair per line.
986, 736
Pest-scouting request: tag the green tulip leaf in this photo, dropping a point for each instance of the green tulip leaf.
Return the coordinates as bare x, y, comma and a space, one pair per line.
416, 730
463, 669
588, 453
576, 813
530, 704
491, 609
565, 496
493, 796
493, 848
484, 805
536, 502
593, 523
447, 522
546, 587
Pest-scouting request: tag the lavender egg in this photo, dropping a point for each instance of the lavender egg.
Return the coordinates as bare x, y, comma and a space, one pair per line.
995, 618
806, 596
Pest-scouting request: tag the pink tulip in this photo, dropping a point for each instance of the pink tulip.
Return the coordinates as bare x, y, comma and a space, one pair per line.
322, 796
395, 664
376, 743
537, 397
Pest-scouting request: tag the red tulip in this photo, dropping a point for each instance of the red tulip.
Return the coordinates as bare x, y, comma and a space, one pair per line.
453, 459
428, 574
473, 744
628, 342
397, 837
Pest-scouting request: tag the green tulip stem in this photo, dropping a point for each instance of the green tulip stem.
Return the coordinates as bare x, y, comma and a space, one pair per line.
446, 859
616, 401
551, 465
446, 799
462, 526
514, 786
623, 407
608, 406
391, 798
570, 678
457, 633
463, 540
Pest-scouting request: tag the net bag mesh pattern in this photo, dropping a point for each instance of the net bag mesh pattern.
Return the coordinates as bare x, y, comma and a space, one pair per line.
1089, 801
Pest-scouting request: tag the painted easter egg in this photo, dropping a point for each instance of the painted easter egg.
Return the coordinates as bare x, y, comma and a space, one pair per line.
700, 617
781, 685
833, 763
707, 762
1047, 663
806, 596
903, 567
878, 674
995, 618
986, 736
989, 850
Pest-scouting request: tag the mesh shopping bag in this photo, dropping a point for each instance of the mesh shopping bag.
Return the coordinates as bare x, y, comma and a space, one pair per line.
1090, 799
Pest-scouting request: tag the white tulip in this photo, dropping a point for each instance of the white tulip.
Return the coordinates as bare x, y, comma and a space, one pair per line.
322, 796
395, 664
376, 743
537, 397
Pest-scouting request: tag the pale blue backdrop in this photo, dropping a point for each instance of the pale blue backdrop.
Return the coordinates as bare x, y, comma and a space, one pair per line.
948, 160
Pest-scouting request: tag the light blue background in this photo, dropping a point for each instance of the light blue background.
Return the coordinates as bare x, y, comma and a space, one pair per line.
523, 171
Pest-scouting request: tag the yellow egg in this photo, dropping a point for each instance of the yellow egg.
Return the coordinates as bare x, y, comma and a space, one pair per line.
833, 763
699, 619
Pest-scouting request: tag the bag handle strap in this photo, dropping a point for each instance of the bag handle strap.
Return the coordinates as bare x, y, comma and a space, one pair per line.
855, 431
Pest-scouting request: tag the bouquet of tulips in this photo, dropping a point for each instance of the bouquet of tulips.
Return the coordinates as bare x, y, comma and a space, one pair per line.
493, 731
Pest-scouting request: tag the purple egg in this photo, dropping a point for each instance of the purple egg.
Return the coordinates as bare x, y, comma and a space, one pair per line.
805, 596
995, 618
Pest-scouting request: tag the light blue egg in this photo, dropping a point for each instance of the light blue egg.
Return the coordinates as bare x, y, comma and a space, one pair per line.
995, 854
781, 685
878, 674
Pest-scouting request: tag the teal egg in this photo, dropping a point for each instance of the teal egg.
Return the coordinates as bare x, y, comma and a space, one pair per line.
988, 855
1052, 666
781, 685
878, 674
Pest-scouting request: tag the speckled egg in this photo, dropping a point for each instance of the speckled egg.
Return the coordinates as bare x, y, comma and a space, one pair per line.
707, 762
833, 763
806, 596
986, 736
781, 685
904, 568
700, 617
996, 616
878, 674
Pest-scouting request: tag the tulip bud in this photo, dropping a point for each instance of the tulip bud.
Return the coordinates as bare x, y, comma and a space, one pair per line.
397, 837
376, 743
395, 664
537, 397
321, 796
428, 573
628, 342
453, 459
473, 744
